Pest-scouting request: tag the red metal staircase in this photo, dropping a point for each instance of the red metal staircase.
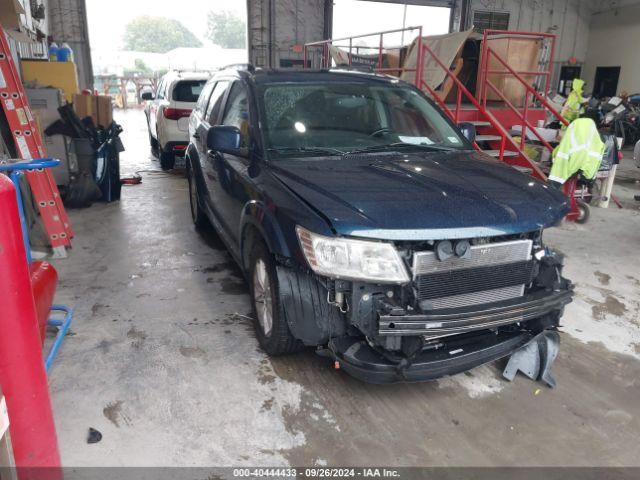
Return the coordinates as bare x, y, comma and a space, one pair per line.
493, 121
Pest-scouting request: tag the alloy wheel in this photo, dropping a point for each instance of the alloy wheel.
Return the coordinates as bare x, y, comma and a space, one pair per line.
262, 297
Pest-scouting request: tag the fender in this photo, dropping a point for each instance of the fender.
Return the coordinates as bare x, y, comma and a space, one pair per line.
192, 154
192, 157
255, 213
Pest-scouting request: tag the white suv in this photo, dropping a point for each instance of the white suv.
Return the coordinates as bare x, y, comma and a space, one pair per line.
168, 114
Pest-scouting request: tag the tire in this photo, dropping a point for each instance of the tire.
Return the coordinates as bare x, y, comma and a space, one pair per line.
154, 146
199, 218
273, 334
584, 212
167, 160
153, 143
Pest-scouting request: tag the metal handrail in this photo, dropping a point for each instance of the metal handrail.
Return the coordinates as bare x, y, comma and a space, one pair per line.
455, 115
461, 90
384, 32
528, 87
526, 125
484, 70
326, 62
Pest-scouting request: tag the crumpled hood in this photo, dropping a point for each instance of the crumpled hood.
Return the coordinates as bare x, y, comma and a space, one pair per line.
422, 196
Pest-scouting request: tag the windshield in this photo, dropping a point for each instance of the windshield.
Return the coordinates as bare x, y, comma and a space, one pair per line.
336, 118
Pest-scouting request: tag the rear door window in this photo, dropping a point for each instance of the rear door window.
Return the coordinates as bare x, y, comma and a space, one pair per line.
201, 106
188, 90
237, 112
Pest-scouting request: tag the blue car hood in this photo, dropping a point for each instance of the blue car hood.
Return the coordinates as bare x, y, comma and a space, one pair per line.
422, 196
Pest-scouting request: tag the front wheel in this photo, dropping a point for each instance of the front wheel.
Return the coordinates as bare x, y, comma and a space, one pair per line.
272, 330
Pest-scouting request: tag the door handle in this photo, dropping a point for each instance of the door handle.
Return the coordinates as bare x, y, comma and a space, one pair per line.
196, 136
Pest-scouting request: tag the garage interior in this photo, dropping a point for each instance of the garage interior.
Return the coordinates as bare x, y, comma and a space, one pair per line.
161, 358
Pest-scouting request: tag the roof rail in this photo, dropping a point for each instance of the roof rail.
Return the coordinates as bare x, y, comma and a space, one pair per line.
356, 68
182, 71
240, 66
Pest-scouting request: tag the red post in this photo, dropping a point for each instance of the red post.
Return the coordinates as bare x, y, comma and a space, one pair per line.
420, 61
524, 120
22, 374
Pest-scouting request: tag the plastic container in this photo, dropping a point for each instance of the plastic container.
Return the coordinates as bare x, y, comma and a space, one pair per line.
65, 54
53, 52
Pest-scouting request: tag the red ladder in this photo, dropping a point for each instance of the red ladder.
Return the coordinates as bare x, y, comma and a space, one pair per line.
28, 146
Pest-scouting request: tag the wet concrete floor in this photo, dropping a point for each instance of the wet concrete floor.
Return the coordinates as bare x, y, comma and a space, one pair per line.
164, 362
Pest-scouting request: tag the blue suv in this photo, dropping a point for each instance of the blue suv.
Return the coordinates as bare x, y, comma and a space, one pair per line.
368, 226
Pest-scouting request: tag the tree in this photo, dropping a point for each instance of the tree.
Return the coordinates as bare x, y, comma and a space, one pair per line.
139, 68
158, 35
226, 29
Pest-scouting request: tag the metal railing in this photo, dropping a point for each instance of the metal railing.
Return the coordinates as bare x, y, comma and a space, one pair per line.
380, 49
479, 101
532, 94
506, 139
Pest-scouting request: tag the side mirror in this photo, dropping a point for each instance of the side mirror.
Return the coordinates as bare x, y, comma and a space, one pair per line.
224, 138
468, 130
147, 96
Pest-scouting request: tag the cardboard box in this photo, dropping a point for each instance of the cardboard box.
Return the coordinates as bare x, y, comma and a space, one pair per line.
84, 106
522, 55
98, 107
10, 11
105, 110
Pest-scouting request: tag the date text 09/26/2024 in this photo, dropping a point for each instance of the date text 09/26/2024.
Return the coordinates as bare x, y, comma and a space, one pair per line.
315, 472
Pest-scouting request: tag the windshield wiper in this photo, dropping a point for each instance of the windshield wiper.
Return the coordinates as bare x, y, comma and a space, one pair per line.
395, 145
317, 150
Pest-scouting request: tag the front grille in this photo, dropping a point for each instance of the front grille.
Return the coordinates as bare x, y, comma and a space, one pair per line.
469, 280
475, 298
492, 273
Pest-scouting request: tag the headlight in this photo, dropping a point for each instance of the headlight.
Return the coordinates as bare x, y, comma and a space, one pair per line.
352, 259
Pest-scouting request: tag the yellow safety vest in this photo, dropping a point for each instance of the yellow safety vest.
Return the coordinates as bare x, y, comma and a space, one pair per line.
572, 108
580, 149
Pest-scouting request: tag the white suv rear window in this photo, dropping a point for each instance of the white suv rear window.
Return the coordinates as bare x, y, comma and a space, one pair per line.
188, 90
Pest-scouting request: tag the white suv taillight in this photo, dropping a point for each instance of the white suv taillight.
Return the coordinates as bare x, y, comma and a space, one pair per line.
176, 113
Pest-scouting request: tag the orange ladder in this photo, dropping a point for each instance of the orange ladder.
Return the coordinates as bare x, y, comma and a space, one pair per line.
28, 142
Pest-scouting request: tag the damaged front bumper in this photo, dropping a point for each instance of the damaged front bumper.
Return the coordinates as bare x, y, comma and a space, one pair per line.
459, 339
452, 316
454, 321
362, 361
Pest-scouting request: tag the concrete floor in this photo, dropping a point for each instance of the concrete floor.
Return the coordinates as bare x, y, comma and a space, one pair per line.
163, 359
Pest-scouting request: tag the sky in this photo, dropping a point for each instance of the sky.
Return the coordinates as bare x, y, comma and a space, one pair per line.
353, 17
107, 19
